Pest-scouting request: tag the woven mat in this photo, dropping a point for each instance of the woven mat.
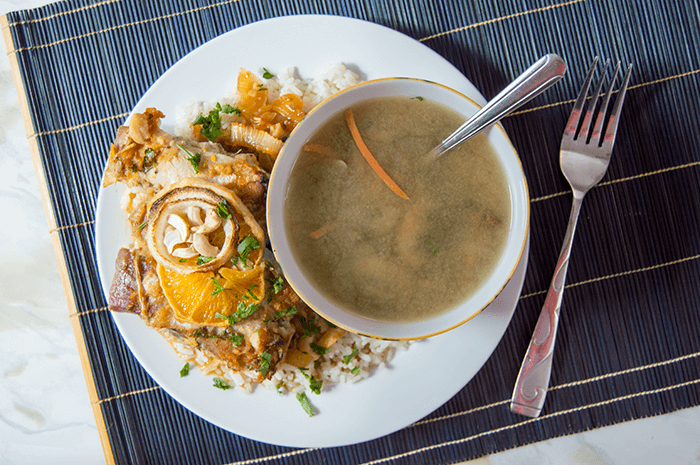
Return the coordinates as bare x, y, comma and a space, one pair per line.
629, 342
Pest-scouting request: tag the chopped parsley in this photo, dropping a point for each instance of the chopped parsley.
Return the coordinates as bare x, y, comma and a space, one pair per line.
246, 246
261, 87
210, 125
265, 359
305, 404
250, 292
221, 384
347, 358
319, 349
185, 370
434, 248
222, 211
355, 370
236, 339
218, 287
228, 109
419, 98
310, 328
242, 311
267, 74
279, 387
288, 312
182, 260
276, 286
201, 260
193, 159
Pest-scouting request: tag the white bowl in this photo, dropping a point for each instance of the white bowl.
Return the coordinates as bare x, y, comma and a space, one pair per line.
277, 191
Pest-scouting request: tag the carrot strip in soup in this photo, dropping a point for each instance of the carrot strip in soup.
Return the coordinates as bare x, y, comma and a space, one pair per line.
370, 158
326, 228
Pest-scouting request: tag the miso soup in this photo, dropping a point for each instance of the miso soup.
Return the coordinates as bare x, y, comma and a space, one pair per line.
381, 256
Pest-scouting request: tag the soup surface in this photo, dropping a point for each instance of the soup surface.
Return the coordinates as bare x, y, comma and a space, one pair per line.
381, 256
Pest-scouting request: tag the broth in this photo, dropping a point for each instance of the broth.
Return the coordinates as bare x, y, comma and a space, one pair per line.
376, 254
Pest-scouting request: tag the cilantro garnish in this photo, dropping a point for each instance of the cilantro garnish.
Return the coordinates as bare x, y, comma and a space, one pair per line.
276, 287
347, 358
250, 292
419, 98
201, 260
236, 339
221, 384
211, 125
193, 159
319, 349
218, 287
314, 384
265, 359
228, 109
305, 404
242, 311
267, 74
185, 370
261, 87
355, 370
288, 312
222, 211
309, 326
246, 246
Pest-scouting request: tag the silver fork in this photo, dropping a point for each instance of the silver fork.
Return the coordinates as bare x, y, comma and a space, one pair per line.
584, 158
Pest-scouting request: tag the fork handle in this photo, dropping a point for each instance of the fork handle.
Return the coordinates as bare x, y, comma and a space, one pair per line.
531, 386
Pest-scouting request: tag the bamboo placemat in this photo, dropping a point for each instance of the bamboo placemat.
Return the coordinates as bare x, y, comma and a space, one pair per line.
629, 341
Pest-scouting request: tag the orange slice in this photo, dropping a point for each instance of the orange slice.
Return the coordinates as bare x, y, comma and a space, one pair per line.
198, 297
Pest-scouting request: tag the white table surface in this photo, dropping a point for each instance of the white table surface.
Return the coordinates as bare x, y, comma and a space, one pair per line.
45, 413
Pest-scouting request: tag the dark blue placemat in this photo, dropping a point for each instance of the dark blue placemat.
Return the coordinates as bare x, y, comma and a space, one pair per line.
629, 341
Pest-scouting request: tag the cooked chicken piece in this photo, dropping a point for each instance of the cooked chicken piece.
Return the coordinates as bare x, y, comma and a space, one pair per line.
136, 289
144, 155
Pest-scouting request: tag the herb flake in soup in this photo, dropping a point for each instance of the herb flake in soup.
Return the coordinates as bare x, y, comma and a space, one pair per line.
379, 255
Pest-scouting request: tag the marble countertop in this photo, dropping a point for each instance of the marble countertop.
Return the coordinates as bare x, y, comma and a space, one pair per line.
45, 412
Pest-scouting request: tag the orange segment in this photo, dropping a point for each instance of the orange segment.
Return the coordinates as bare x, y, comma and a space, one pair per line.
198, 297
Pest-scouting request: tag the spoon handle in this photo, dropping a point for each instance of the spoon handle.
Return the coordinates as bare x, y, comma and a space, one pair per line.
536, 79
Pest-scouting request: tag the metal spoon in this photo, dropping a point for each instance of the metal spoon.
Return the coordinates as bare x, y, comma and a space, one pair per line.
535, 80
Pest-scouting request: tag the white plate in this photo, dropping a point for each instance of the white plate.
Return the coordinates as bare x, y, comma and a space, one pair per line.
419, 380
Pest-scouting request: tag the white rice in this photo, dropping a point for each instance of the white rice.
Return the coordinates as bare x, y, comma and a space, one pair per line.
373, 354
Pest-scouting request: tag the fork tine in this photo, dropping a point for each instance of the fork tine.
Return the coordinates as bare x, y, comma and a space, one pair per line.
575, 117
588, 116
611, 129
598, 128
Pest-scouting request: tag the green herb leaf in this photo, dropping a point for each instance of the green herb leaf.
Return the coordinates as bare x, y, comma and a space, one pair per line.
250, 292
305, 404
185, 370
220, 316
242, 311
218, 287
347, 358
221, 384
201, 260
261, 87
419, 98
222, 211
182, 260
143, 225
267, 74
228, 109
288, 312
434, 248
276, 287
265, 359
193, 159
315, 385
211, 125
236, 339
309, 326
318, 349
246, 246
355, 370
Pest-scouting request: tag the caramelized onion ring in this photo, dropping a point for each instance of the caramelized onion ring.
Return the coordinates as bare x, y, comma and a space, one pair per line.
181, 197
